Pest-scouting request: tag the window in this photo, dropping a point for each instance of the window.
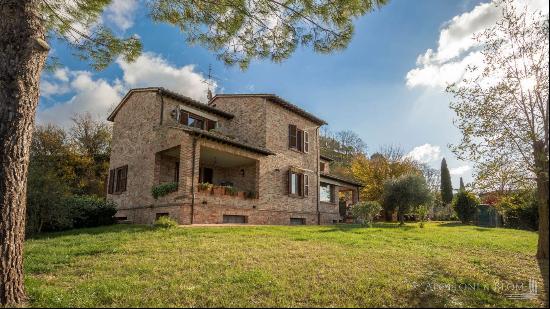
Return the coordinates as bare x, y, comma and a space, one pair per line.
177, 172
117, 179
326, 192
322, 166
306, 142
306, 185
206, 175
211, 124
159, 215
235, 219
195, 122
292, 136
297, 221
298, 139
298, 184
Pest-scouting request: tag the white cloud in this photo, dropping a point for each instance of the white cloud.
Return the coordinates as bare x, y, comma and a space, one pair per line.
456, 48
48, 88
98, 96
93, 96
459, 170
425, 153
62, 74
152, 70
122, 13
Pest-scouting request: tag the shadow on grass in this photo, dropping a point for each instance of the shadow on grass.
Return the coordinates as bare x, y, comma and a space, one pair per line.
452, 224
116, 228
355, 227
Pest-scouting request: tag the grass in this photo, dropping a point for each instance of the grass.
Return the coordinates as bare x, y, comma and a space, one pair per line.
443, 264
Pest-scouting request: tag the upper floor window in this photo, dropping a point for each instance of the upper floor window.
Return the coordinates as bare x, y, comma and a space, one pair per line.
322, 166
117, 179
298, 139
195, 121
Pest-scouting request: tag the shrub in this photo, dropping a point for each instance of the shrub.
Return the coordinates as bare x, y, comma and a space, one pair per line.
520, 210
163, 189
90, 211
422, 212
165, 222
465, 205
364, 212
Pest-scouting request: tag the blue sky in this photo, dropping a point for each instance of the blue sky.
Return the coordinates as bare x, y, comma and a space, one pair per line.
368, 88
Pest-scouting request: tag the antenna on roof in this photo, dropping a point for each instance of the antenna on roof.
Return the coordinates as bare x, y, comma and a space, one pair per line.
209, 82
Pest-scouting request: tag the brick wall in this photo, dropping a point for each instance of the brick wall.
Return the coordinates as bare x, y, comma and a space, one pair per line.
138, 138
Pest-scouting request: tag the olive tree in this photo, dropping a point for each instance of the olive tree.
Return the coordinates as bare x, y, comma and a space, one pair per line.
405, 194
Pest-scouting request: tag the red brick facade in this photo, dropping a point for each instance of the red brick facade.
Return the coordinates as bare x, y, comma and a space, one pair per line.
249, 150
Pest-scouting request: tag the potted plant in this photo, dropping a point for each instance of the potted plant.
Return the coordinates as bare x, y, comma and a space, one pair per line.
231, 190
252, 195
205, 187
218, 190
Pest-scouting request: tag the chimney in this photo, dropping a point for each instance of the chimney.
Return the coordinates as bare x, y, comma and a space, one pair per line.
209, 95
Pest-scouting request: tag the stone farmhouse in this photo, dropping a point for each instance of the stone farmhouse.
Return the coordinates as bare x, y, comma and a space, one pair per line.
241, 158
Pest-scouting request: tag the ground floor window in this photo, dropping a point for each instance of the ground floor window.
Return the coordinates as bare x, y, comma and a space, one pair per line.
159, 215
117, 179
297, 221
326, 192
235, 219
298, 183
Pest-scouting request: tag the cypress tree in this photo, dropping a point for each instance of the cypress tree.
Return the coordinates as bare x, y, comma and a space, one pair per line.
462, 187
446, 185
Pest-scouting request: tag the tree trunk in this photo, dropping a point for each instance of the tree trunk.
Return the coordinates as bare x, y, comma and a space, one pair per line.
401, 218
23, 51
541, 167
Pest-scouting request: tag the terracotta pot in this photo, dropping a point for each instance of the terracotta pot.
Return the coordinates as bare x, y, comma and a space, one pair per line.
206, 190
218, 190
241, 194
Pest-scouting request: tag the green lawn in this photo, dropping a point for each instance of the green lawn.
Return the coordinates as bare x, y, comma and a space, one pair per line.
385, 265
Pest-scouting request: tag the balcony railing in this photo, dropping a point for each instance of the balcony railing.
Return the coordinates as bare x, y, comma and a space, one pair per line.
216, 190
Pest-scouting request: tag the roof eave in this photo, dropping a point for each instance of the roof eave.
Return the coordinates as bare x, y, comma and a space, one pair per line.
162, 91
341, 179
208, 135
277, 100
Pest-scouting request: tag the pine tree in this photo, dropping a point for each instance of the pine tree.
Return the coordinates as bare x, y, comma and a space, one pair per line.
446, 184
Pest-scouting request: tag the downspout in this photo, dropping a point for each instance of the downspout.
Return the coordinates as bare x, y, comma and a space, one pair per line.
161, 106
193, 179
318, 175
